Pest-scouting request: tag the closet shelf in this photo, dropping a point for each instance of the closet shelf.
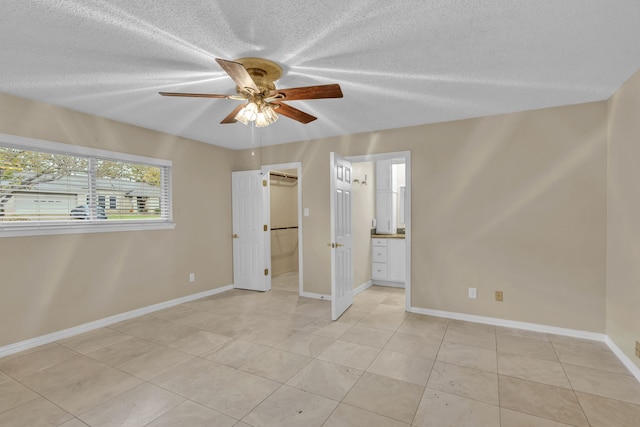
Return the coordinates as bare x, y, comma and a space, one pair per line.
284, 228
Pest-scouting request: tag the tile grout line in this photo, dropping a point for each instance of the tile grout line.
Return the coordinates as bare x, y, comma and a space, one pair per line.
38, 393
341, 402
584, 414
415, 414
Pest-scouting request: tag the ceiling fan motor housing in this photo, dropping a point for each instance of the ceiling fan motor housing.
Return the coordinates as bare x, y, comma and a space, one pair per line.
263, 72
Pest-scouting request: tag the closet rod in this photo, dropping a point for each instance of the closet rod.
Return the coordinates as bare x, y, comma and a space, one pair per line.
283, 175
284, 228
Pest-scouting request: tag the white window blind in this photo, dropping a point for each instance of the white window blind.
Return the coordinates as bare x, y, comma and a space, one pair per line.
38, 186
51, 185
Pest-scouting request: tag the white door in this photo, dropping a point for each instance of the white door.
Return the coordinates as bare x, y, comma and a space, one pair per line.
341, 238
397, 260
248, 197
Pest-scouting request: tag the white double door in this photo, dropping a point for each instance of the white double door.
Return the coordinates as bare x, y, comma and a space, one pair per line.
250, 212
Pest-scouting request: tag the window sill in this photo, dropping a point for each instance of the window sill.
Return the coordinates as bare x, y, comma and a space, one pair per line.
56, 229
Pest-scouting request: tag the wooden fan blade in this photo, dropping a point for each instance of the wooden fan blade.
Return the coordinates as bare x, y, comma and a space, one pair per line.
293, 113
238, 73
231, 118
309, 92
194, 95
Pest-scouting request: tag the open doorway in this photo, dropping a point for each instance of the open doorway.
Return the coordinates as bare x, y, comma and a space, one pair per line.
382, 223
284, 238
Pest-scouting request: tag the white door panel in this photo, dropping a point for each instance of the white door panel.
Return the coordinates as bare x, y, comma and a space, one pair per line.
249, 264
341, 236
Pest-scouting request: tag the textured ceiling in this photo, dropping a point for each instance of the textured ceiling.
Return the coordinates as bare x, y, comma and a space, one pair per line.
399, 63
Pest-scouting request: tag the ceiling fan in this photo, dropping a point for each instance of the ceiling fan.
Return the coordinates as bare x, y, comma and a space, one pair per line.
254, 79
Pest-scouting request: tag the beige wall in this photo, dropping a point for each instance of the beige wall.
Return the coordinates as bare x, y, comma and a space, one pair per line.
363, 211
515, 202
51, 283
623, 218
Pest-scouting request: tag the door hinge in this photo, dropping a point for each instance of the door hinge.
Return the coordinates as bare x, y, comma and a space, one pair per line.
266, 271
266, 228
264, 182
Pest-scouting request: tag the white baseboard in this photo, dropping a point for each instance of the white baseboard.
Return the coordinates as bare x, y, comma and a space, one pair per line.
594, 336
389, 284
76, 330
632, 367
316, 296
366, 285
626, 361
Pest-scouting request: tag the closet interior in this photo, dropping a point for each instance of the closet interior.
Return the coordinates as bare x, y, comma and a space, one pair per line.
284, 228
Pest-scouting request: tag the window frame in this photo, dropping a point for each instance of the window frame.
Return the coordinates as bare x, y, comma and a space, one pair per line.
42, 228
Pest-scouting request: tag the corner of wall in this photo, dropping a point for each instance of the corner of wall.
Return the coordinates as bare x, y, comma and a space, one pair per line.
622, 316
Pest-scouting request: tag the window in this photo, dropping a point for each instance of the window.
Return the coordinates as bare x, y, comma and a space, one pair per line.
50, 188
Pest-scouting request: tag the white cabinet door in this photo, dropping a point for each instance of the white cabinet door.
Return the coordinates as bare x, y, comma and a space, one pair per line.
397, 260
384, 179
402, 203
379, 271
385, 212
379, 254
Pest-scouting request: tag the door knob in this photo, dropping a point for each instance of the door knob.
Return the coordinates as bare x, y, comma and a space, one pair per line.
235, 236
338, 245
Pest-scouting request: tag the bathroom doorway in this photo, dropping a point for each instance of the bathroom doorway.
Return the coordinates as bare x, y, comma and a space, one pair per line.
382, 256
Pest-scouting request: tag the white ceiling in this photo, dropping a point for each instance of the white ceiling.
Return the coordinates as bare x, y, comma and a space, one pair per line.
399, 63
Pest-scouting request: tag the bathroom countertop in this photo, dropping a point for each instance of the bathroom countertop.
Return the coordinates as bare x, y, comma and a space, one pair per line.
387, 236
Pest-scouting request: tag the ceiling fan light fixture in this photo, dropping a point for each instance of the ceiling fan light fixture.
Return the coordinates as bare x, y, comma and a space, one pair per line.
270, 114
262, 114
241, 117
250, 111
266, 116
261, 121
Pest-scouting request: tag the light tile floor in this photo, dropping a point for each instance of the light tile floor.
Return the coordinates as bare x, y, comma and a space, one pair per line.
274, 359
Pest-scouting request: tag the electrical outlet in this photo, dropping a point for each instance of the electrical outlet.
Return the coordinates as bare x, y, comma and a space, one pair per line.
192, 277
638, 349
473, 293
498, 295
